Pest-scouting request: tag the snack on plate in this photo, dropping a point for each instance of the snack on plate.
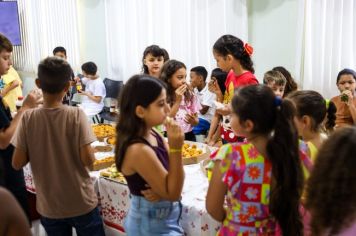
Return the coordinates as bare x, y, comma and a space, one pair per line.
114, 174
104, 148
191, 150
111, 140
102, 131
104, 160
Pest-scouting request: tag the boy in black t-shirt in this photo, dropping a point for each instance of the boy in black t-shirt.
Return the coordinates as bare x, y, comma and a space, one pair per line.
10, 178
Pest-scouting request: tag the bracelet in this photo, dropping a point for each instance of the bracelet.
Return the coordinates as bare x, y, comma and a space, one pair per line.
175, 150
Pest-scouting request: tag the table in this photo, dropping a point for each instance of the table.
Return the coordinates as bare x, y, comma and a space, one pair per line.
114, 200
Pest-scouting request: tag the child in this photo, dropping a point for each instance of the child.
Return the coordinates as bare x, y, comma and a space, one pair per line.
233, 56
262, 178
94, 93
152, 60
276, 81
346, 102
311, 112
184, 104
148, 163
13, 179
65, 193
12, 218
291, 85
216, 86
206, 98
61, 52
12, 89
331, 188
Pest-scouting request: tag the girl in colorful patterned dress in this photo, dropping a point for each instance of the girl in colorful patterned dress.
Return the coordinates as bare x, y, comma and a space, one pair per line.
313, 115
184, 104
262, 178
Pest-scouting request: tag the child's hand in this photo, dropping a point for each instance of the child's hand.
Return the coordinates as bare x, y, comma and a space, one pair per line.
213, 87
14, 84
222, 109
175, 134
191, 119
180, 92
150, 195
32, 100
347, 97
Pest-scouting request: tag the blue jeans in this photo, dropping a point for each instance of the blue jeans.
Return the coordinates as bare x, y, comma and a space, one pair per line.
153, 218
87, 224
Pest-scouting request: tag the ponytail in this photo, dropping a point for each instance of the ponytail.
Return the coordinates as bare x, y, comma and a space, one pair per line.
287, 175
229, 44
247, 63
330, 117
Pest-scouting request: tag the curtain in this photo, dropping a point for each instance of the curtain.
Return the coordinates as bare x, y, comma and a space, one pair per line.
45, 25
326, 43
187, 29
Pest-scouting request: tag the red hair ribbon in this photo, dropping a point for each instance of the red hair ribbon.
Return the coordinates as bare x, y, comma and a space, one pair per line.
248, 48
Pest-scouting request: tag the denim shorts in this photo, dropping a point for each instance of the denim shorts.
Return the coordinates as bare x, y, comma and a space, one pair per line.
153, 218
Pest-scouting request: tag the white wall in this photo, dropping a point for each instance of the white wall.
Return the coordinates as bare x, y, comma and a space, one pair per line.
92, 34
272, 26
273, 34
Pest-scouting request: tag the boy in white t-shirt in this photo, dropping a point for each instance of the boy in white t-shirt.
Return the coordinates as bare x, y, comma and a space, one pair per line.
206, 98
94, 93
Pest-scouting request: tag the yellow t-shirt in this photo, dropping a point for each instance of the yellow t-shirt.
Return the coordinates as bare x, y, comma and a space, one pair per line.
11, 97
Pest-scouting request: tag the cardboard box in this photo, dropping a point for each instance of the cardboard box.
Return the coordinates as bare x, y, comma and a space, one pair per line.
102, 165
199, 158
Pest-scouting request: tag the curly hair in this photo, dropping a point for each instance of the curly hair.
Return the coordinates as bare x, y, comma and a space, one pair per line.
331, 188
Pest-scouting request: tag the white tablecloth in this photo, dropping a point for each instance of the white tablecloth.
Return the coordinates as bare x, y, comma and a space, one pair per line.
114, 200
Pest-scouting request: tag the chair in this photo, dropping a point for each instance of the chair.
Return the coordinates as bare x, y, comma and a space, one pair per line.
113, 88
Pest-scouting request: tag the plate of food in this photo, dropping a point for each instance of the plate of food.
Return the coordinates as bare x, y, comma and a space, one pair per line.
103, 131
113, 174
194, 152
102, 163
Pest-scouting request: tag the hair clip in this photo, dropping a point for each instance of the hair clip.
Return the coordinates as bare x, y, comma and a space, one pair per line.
248, 49
277, 101
327, 103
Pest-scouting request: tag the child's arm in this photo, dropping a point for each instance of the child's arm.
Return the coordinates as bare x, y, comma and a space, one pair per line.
7, 133
87, 155
19, 159
204, 109
142, 159
8, 88
214, 129
216, 195
96, 99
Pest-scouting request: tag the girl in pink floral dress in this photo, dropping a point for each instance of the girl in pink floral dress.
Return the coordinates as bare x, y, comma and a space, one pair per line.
261, 179
184, 104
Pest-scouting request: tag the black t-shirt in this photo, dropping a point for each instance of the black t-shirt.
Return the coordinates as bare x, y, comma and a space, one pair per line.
5, 154
5, 120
